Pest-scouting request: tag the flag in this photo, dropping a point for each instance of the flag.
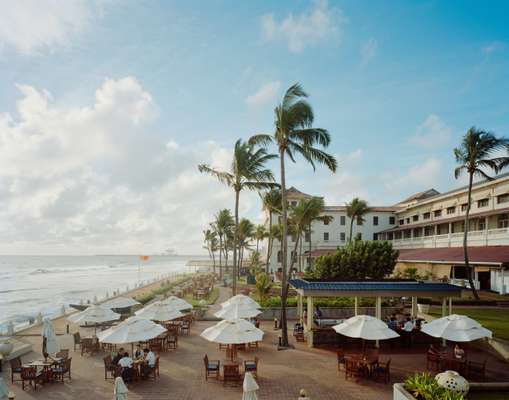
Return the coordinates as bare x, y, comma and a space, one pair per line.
144, 258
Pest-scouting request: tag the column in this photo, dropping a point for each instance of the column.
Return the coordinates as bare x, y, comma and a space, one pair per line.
378, 312
299, 308
356, 305
444, 307
450, 305
414, 307
310, 322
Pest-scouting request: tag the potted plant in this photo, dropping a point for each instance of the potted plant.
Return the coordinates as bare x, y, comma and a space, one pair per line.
422, 386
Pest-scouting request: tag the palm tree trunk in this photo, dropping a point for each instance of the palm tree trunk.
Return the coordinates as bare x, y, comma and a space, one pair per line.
300, 255
213, 262
257, 243
220, 258
297, 240
284, 283
469, 270
269, 242
351, 228
309, 255
235, 242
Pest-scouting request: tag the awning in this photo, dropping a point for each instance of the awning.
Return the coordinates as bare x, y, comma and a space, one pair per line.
496, 256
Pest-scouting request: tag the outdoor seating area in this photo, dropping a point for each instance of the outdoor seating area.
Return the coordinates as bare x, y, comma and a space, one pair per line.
440, 360
39, 372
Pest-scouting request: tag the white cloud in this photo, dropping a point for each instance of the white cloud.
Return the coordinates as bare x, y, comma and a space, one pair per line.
32, 26
306, 29
368, 51
267, 94
417, 178
492, 47
433, 133
95, 179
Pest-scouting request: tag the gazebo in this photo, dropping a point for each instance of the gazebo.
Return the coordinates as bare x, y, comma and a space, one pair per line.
312, 288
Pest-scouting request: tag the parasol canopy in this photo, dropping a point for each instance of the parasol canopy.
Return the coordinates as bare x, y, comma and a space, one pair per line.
237, 331
365, 327
94, 315
177, 303
120, 302
234, 311
159, 312
456, 328
131, 330
241, 299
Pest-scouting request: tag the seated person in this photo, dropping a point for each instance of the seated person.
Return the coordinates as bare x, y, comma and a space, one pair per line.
149, 362
126, 363
138, 354
318, 313
459, 353
118, 356
392, 324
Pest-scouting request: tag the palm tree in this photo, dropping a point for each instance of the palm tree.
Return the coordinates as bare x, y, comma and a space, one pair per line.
475, 155
293, 135
271, 203
223, 222
259, 234
356, 210
246, 172
246, 232
209, 237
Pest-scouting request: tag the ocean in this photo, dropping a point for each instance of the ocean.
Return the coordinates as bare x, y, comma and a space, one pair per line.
43, 284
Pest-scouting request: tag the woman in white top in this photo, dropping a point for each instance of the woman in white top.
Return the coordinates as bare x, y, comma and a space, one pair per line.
126, 363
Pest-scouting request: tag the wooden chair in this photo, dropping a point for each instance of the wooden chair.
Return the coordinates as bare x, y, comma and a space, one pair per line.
89, 345
211, 367
252, 345
476, 370
62, 369
16, 367
231, 374
64, 353
156, 344
30, 375
251, 366
77, 340
352, 369
433, 361
341, 358
172, 341
185, 328
383, 370
223, 346
109, 367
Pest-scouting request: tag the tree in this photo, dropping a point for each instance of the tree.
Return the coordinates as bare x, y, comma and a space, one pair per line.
357, 260
260, 233
475, 155
247, 171
271, 203
356, 210
245, 233
293, 135
263, 285
210, 239
223, 223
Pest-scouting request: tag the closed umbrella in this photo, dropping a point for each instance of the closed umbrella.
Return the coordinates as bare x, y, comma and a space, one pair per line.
120, 302
456, 328
131, 330
177, 303
365, 327
241, 299
120, 390
159, 312
49, 339
4, 390
234, 311
94, 315
249, 387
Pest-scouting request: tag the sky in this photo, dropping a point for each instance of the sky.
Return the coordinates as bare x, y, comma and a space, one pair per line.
108, 106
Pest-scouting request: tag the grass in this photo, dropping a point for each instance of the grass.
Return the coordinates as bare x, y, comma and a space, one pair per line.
494, 319
163, 289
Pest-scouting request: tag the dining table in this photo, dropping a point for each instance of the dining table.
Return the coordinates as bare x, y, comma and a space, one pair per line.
365, 362
44, 367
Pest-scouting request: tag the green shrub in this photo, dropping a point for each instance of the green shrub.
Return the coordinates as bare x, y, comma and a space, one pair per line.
424, 387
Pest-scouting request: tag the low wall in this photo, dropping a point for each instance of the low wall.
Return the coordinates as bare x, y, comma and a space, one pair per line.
327, 312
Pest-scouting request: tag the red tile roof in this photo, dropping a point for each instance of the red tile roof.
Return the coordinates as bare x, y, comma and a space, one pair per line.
320, 252
492, 255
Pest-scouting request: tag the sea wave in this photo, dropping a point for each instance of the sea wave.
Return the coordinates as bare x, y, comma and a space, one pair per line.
40, 271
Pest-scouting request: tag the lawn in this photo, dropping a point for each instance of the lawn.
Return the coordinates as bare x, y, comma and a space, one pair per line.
494, 319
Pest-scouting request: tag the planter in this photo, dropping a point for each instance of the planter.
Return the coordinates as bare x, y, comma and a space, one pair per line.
423, 308
6, 347
399, 393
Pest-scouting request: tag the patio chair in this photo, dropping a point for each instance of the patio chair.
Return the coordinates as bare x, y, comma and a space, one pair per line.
77, 340
352, 368
156, 345
231, 374
30, 375
251, 366
252, 345
383, 370
89, 346
62, 369
185, 328
172, 341
211, 367
109, 367
16, 367
63, 353
476, 370
433, 361
341, 358
223, 346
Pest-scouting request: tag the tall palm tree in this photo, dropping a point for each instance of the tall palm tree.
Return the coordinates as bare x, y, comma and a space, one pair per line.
355, 210
223, 222
247, 171
294, 134
259, 234
271, 203
209, 237
475, 155
246, 232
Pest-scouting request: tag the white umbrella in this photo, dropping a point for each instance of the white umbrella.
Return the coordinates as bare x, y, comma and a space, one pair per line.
120, 390
4, 390
131, 330
50, 344
177, 303
94, 315
457, 328
241, 299
250, 387
365, 327
159, 312
235, 311
120, 302
237, 331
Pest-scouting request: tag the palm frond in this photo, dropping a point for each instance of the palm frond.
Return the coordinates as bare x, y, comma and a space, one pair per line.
223, 177
261, 140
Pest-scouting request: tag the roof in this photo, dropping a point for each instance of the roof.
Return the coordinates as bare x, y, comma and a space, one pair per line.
371, 209
420, 196
320, 252
488, 255
292, 191
369, 288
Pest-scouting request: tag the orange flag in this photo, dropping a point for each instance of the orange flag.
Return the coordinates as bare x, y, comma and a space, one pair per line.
144, 258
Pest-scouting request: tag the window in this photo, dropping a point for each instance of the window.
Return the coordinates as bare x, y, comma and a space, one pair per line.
437, 213
482, 203
402, 222
451, 210
503, 198
342, 220
408, 220
426, 215
358, 236
375, 220
374, 236
359, 221
279, 256
392, 220
464, 207
415, 218
307, 237
326, 236
293, 203
342, 236
503, 221
481, 224
326, 220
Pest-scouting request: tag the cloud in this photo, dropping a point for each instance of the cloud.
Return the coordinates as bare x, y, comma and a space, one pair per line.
97, 179
493, 47
303, 30
33, 26
433, 133
417, 178
267, 94
368, 51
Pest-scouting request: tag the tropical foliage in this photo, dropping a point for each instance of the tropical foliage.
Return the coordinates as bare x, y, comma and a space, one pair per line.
355, 210
271, 203
424, 387
263, 286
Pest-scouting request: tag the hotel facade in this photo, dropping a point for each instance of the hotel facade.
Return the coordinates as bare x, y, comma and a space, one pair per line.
427, 229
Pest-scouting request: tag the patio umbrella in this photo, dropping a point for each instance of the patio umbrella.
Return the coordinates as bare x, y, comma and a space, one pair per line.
120, 302
177, 303
49, 339
456, 328
159, 312
120, 390
4, 390
94, 315
241, 299
234, 311
131, 330
250, 387
365, 327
